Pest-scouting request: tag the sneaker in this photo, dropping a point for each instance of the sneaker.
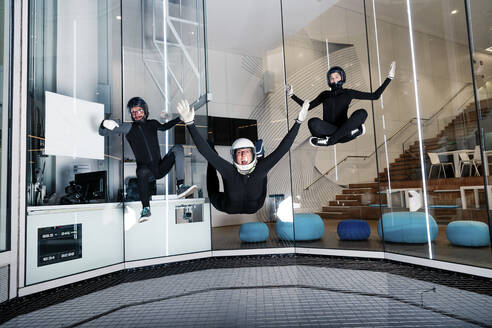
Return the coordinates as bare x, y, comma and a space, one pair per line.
144, 215
185, 190
319, 142
260, 151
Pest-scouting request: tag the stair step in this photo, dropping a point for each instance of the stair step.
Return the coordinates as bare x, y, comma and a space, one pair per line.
358, 191
347, 202
353, 212
348, 197
363, 185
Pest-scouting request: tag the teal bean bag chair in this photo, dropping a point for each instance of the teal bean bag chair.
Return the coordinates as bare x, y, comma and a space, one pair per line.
406, 227
308, 226
253, 232
468, 233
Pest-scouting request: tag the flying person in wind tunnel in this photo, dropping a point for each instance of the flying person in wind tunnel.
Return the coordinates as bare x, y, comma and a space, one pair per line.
142, 137
335, 127
245, 180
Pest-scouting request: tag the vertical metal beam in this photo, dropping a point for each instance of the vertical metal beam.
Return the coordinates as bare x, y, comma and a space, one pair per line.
18, 159
478, 110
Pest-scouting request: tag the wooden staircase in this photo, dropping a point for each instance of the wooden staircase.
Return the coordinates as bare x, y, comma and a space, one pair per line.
361, 200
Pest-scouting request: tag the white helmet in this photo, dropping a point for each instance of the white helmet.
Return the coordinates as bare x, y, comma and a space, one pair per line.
240, 144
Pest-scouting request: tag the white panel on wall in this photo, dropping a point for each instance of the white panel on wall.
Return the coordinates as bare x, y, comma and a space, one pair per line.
102, 238
72, 127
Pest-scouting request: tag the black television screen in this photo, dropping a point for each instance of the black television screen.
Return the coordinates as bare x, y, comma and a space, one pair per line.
244, 128
219, 130
93, 185
222, 131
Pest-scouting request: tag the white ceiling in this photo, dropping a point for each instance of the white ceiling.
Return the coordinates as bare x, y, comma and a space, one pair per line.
254, 26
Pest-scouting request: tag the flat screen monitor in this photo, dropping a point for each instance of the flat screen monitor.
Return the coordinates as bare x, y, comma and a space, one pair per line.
93, 185
222, 131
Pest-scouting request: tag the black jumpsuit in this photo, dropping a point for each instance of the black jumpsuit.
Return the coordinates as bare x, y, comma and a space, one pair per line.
243, 193
335, 123
142, 137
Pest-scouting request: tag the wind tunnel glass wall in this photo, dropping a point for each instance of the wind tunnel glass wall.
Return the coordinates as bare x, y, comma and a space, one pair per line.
5, 24
337, 181
430, 171
246, 78
74, 184
164, 63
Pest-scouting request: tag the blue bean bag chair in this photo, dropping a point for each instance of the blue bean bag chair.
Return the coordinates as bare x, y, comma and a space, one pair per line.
253, 232
353, 230
407, 227
468, 233
308, 226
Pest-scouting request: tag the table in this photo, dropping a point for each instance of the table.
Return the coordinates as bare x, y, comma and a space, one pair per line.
475, 194
403, 195
456, 159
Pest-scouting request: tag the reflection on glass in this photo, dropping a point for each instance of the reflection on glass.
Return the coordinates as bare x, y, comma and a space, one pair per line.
4, 114
73, 84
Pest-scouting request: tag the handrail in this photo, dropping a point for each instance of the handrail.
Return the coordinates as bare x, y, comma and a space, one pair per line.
442, 108
392, 136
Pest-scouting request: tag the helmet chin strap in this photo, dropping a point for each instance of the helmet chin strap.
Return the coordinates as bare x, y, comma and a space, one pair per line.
246, 172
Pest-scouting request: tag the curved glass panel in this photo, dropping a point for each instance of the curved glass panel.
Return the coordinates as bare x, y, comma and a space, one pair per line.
246, 79
431, 175
337, 182
74, 181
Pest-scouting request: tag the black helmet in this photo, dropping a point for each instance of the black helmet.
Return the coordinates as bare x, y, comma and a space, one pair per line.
339, 70
138, 102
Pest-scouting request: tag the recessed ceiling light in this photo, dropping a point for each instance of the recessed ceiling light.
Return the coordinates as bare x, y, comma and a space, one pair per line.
489, 49
118, 17
454, 12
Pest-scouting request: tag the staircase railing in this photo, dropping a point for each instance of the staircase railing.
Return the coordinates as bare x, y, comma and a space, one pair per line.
426, 121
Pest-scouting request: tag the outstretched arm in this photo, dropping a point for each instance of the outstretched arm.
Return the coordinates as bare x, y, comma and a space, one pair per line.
167, 125
369, 95
316, 101
268, 162
220, 164
118, 127
375, 95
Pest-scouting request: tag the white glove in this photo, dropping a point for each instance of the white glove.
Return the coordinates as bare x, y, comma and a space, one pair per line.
110, 124
304, 111
391, 73
290, 90
165, 115
186, 113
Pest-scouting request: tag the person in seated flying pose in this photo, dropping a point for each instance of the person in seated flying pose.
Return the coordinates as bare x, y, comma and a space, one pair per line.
245, 180
335, 127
